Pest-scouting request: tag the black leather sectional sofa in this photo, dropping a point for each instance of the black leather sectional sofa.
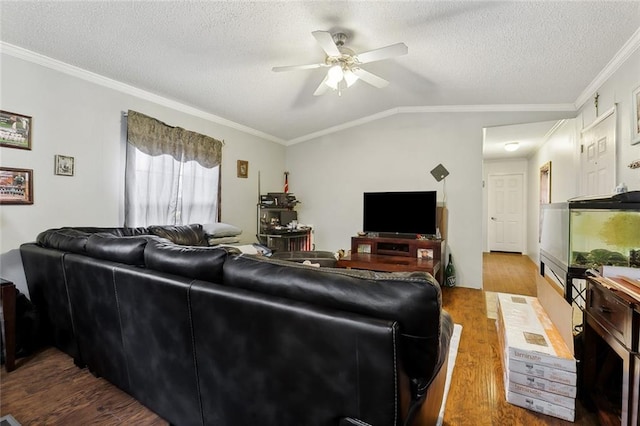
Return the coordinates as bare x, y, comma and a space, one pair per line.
205, 336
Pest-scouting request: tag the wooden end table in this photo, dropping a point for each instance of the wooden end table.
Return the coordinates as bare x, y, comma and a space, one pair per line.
8, 295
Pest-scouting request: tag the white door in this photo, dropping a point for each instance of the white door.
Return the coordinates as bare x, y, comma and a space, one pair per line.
598, 156
506, 208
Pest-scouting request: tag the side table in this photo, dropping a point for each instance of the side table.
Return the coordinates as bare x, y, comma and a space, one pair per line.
8, 295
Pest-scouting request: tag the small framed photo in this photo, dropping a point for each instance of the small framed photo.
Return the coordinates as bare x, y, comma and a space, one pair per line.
635, 118
15, 130
243, 169
426, 254
364, 248
64, 165
16, 186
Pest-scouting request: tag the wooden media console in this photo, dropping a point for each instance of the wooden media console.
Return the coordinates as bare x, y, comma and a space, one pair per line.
396, 255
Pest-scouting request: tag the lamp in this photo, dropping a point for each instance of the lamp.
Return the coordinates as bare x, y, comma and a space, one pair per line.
350, 78
334, 76
339, 73
511, 146
440, 172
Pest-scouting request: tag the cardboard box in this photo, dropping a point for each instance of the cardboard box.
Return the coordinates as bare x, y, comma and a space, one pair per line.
563, 401
548, 373
529, 334
540, 406
531, 342
542, 384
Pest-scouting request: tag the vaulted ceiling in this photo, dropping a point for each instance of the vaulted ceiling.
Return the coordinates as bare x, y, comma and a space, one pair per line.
217, 56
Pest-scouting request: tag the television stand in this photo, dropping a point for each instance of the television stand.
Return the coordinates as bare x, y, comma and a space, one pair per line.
395, 255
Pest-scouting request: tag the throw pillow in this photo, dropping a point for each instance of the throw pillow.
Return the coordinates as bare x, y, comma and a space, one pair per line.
220, 230
222, 240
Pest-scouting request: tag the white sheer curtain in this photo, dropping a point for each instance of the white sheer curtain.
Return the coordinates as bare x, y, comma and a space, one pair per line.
172, 175
152, 184
199, 193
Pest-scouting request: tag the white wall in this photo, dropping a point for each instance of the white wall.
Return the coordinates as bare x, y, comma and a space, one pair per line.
75, 117
502, 167
330, 173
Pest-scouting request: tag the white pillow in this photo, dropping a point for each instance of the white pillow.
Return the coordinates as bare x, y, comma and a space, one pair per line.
220, 229
213, 241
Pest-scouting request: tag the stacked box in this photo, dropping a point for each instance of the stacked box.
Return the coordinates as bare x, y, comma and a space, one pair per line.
539, 369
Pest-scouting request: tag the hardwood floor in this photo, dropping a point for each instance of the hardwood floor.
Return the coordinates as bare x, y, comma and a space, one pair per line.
476, 396
48, 388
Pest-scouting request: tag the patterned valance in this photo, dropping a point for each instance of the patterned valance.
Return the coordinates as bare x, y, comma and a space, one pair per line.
153, 137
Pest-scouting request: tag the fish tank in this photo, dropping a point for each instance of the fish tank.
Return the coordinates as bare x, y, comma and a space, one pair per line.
605, 231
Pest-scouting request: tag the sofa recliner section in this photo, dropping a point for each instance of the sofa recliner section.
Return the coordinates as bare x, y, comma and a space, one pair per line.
302, 364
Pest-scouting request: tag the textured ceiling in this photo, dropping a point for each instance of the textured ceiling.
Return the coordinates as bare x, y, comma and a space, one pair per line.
217, 56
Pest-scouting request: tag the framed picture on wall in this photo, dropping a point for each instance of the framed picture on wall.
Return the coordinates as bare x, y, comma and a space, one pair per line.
64, 165
545, 183
15, 130
16, 186
635, 118
243, 169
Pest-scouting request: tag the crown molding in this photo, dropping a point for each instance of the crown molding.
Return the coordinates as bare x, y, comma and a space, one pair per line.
491, 108
553, 130
618, 59
436, 109
92, 77
344, 126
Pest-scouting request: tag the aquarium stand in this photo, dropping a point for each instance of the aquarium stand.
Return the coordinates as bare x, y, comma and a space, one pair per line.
576, 295
573, 293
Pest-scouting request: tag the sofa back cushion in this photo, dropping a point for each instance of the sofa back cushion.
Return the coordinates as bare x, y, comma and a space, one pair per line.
64, 239
411, 299
75, 239
129, 250
186, 235
202, 263
118, 232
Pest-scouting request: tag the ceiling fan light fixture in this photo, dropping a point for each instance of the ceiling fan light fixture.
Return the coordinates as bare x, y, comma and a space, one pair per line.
334, 76
511, 146
344, 64
350, 78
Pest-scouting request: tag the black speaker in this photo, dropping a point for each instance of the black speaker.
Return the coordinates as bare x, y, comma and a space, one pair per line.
439, 172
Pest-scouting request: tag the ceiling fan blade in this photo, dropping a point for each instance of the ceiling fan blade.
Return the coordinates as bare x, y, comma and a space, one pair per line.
322, 89
372, 79
325, 40
298, 67
397, 49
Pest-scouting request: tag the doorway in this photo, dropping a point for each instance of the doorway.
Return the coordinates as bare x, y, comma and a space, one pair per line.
506, 225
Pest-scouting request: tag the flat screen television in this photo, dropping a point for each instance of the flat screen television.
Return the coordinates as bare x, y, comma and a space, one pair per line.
409, 212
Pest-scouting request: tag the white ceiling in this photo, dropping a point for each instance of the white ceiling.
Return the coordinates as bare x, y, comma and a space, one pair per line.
217, 56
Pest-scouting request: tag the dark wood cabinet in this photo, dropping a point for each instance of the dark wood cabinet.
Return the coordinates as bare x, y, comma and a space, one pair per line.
8, 295
611, 373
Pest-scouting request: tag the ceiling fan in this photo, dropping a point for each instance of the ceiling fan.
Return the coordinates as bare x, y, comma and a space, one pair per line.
344, 64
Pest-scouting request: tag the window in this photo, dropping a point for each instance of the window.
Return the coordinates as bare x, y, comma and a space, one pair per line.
172, 175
